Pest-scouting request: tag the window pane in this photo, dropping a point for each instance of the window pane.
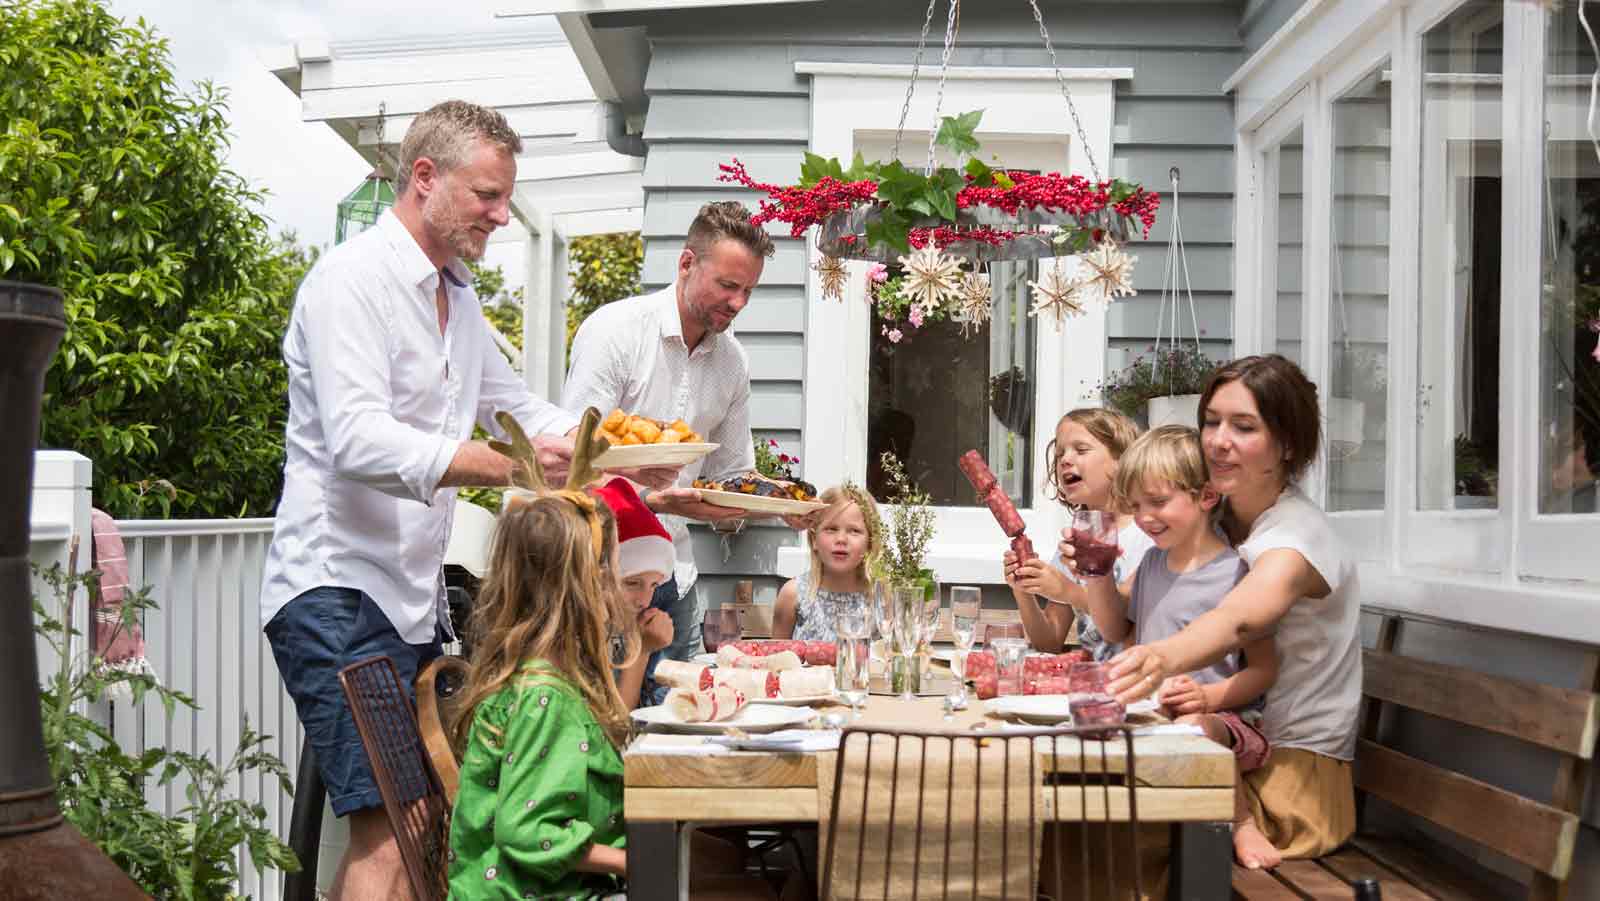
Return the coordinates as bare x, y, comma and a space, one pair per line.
1569, 370
1357, 402
1458, 362
1290, 159
933, 395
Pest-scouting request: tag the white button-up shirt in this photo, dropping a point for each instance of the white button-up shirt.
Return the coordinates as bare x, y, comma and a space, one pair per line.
379, 402
631, 354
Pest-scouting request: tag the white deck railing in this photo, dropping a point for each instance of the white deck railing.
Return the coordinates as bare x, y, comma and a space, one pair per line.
204, 640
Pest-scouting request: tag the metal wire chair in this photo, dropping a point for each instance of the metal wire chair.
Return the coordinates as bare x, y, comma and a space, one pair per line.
1072, 776
413, 797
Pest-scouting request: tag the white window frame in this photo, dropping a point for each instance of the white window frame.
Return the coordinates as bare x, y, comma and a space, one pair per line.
1509, 568
851, 102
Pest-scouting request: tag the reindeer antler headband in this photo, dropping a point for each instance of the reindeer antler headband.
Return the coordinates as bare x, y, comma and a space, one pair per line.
529, 475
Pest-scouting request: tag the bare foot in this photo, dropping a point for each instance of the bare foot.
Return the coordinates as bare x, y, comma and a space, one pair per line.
1251, 849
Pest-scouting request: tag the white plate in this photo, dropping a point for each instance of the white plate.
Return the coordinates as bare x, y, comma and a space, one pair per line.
796, 702
757, 504
753, 718
629, 456
1046, 709
1050, 709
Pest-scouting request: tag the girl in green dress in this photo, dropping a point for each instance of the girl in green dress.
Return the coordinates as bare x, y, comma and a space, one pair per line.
539, 813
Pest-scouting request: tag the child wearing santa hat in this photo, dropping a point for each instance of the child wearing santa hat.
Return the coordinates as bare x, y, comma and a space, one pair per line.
645, 561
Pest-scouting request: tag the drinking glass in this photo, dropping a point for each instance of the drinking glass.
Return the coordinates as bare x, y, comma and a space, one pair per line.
995, 631
1094, 541
910, 625
881, 596
711, 631
852, 668
1008, 656
732, 624
966, 604
1089, 696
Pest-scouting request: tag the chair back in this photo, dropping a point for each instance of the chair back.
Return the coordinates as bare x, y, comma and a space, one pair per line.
413, 797
919, 814
439, 688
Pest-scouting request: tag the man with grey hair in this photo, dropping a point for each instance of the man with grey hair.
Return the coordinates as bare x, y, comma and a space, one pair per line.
391, 363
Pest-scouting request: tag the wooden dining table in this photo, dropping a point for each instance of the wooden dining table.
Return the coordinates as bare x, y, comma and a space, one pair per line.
1184, 780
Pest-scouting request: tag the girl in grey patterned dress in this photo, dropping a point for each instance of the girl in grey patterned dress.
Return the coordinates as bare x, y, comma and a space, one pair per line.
844, 537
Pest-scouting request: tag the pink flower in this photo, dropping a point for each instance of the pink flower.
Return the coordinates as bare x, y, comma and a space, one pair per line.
879, 273
784, 458
1596, 353
894, 335
772, 442
916, 316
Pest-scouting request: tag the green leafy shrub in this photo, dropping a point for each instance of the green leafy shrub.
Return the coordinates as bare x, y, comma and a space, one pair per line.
114, 188
190, 855
603, 268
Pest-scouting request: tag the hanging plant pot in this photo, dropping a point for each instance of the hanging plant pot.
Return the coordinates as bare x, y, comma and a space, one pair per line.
1173, 409
1346, 426
980, 233
1009, 401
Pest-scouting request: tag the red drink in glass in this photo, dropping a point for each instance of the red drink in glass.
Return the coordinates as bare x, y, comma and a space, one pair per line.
1094, 542
1090, 699
1094, 558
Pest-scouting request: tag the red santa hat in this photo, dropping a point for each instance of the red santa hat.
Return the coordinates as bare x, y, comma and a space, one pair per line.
643, 544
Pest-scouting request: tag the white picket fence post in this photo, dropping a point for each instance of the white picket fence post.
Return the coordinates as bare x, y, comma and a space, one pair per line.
204, 640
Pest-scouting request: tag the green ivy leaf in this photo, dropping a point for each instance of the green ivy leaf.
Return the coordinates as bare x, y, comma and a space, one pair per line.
982, 176
956, 132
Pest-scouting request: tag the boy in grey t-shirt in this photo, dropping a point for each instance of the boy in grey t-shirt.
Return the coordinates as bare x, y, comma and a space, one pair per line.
1162, 480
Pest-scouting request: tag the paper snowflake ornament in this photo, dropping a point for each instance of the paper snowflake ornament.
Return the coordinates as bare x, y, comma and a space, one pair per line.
1056, 294
831, 272
975, 303
1108, 271
931, 277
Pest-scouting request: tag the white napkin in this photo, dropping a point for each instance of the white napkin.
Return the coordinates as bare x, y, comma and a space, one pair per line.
673, 746
803, 741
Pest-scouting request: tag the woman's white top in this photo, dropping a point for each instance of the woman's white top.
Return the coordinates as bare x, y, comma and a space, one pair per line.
1315, 702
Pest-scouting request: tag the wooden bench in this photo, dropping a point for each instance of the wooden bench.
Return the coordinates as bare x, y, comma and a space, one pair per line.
1538, 833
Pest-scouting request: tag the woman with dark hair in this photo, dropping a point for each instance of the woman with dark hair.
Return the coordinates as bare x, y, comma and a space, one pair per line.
1261, 429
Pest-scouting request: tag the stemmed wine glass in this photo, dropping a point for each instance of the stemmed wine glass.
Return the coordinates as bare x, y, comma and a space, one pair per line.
966, 604
851, 671
881, 596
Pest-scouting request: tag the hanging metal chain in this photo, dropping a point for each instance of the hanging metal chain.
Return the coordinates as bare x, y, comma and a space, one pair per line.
378, 156
916, 66
1083, 138
950, 27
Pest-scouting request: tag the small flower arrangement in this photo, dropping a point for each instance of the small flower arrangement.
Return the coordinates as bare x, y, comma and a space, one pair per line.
1181, 370
900, 314
912, 523
773, 462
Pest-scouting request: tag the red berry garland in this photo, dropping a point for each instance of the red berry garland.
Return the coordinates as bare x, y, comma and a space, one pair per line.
1074, 195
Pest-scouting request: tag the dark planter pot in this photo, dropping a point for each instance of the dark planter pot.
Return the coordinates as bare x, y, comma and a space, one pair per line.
41, 855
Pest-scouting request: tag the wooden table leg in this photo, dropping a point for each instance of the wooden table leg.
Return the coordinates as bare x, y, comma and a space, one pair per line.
654, 867
1202, 861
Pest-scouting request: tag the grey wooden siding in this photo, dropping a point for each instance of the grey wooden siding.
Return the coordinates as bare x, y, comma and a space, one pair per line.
721, 84
1263, 17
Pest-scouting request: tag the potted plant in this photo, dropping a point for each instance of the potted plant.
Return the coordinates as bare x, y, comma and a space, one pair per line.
903, 563
1009, 400
1160, 387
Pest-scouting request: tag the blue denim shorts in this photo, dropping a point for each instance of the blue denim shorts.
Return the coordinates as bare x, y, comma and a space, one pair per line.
314, 636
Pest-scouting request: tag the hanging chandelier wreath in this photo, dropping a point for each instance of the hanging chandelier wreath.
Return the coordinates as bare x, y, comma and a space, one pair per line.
952, 221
